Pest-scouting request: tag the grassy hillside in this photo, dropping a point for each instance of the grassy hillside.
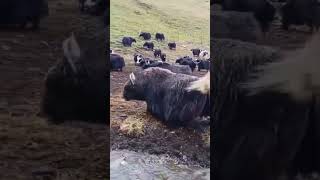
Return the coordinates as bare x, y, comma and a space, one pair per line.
187, 22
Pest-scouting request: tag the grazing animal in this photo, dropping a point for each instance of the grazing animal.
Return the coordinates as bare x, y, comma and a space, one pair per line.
196, 52
300, 12
263, 10
117, 62
163, 57
203, 64
166, 96
172, 45
157, 52
182, 69
127, 41
75, 87
145, 35
160, 36
148, 45
20, 12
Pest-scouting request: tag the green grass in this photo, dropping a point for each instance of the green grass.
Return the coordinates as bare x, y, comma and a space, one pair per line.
186, 22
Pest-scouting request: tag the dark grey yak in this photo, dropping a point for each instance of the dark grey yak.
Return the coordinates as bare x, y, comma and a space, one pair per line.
176, 68
76, 86
266, 111
166, 97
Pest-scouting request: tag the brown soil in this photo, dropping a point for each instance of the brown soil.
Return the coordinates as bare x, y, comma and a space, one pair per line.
32, 148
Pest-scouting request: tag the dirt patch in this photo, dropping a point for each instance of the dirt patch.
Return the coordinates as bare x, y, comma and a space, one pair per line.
32, 148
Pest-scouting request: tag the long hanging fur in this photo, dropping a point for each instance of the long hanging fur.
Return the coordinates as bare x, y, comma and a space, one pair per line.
297, 75
202, 85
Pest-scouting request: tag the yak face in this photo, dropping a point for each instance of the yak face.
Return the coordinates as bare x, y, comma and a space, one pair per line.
134, 88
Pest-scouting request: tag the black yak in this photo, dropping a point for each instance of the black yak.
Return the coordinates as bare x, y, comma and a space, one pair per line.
160, 36
127, 41
76, 86
167, 98
116, 62
195, 52
157, 52
148, 45
145, 35
172, 45
267, 117
163, 57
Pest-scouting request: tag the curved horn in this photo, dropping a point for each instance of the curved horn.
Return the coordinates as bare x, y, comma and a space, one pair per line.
132, 78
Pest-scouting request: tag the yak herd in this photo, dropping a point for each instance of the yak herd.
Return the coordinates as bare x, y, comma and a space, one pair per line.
202, 56
164, 86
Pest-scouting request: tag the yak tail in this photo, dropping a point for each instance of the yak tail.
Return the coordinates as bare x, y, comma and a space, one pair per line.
202, 84
297, 75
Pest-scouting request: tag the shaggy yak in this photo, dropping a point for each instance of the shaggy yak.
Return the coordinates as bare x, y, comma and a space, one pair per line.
166, 97
76, 86
268, 117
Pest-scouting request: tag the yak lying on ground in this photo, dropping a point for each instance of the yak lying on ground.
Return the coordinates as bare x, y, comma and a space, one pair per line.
263, 10
127, 41
300, 12
76, 87
267, 117
116, 62
148, 45
166, 97
182, 69
172, 45
21, 12
145, 35
160, 36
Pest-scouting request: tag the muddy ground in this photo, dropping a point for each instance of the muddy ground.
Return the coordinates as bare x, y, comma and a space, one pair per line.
31, 148
185, 144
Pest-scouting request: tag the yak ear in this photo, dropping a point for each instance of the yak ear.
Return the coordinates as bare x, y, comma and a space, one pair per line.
132, 78
71, 51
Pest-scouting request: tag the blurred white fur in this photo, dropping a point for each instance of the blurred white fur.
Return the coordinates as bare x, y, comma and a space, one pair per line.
298, 74
202, 85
